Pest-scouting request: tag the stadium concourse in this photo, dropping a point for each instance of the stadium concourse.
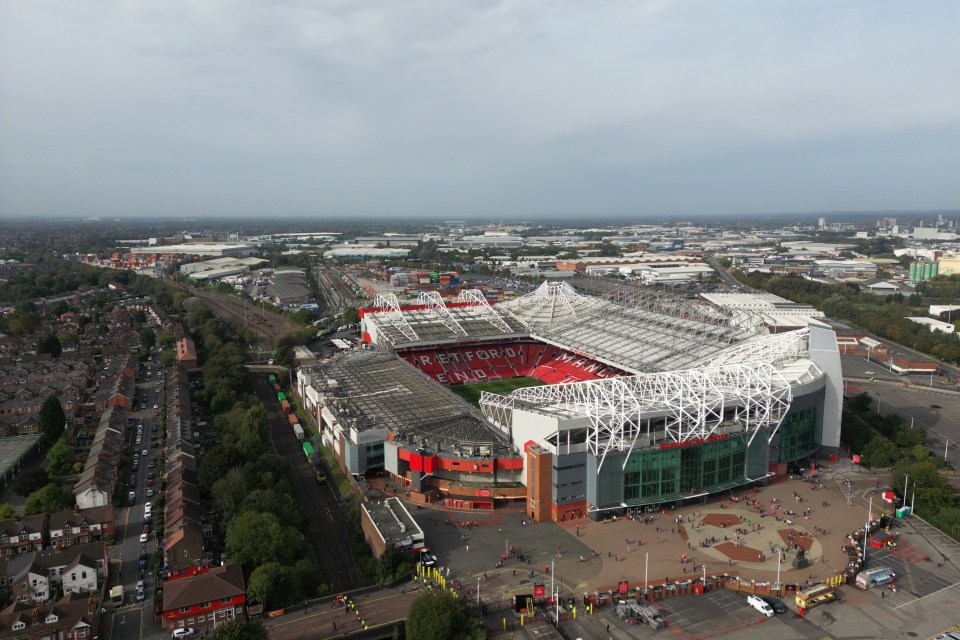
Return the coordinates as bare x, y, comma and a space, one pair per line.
641, 400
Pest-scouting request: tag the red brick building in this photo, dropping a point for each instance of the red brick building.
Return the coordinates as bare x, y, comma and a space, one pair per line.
187, 353
204, 600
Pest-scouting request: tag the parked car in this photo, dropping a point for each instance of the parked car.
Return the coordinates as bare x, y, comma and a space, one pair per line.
758, 603
775, 603
180, 634
144, 537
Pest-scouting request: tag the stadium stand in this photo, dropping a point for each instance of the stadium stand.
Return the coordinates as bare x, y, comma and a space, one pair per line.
482, 363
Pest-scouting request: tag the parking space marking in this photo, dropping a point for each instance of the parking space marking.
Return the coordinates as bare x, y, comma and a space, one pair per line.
927, 596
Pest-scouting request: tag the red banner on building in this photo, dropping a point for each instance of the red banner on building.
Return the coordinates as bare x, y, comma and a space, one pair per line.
483, 493
539, 591
622, 587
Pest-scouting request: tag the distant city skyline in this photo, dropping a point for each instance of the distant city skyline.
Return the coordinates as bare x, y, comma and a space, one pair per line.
522, 110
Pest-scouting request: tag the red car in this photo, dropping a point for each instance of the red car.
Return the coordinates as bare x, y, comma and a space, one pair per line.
150, 482
155, 412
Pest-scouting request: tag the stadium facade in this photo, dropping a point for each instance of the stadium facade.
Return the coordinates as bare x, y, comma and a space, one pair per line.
642, 400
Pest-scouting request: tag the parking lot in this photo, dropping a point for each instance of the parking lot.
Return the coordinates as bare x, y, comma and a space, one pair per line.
914, 578
715, 612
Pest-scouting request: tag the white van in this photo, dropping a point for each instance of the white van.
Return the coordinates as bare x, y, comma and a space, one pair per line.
760, 606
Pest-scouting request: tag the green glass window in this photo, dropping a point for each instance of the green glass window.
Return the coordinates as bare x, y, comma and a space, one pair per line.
798, 434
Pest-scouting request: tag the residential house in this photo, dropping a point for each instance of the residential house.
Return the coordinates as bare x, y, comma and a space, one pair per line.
79, 526
186, 353
79, 569
22, 534
73, 617
204, 600
98, 480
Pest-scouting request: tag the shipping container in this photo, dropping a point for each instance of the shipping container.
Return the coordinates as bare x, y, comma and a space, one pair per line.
276, 388
285, 405
272, 378
298, 431
307, 450
281, 396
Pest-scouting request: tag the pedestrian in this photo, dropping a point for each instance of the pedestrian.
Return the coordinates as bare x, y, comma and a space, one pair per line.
501, 530
334, 625
883, 594
468, 548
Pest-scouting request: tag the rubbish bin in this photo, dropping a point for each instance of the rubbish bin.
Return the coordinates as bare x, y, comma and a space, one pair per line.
698, 589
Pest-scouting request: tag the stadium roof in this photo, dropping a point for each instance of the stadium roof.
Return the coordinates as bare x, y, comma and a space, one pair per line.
367, 389
634, 331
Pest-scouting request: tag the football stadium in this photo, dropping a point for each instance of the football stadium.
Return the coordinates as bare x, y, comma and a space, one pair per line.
584, 406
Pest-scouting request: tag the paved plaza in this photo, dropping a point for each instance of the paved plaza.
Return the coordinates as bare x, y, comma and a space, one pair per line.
744, 534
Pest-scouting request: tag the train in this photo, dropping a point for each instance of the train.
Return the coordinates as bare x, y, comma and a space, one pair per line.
308, 451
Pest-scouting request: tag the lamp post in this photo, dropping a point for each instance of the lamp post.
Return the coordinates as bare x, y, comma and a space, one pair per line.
478, 592
646, 573
779, 561
866, 529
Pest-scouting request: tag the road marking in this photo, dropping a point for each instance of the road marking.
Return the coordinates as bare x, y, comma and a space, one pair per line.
927, 596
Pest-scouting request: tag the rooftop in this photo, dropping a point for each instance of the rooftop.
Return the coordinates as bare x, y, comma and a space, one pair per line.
367, 390
393, 522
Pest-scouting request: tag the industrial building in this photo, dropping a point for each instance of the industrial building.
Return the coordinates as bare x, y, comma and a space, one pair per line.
200, 249
638, 399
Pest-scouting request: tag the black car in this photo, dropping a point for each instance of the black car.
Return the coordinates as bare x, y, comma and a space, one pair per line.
935, 406
775, 604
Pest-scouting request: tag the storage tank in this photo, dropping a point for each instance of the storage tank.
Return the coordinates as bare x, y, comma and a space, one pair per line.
935, 268
927, 270
914, 267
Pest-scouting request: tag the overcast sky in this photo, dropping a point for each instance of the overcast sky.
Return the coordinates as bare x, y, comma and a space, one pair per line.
460, 108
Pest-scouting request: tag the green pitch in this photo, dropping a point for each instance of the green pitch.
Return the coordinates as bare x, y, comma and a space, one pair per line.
471, 392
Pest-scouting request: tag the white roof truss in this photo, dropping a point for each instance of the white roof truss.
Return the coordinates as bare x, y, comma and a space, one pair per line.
774, 348
692, 404
434, 303
476, 299
389, 307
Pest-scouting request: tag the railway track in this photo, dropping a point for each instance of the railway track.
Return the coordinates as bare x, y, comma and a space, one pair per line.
337, 295
266, 326
320, 506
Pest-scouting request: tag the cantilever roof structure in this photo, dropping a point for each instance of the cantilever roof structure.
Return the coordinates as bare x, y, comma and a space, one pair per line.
549, 304
636, 331
367, 389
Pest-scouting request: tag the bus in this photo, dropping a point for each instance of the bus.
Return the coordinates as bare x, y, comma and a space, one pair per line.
814, 596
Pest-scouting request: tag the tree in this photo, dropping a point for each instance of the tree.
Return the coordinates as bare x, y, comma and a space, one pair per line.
439, 616
215, 463
50, 344
881, 452
238, 629
274, 586
147, 338
351, 316
255, 538
29, 481
230, 491
52, 419
7, 511
168, 358
253, 431
59, 457
47, 500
